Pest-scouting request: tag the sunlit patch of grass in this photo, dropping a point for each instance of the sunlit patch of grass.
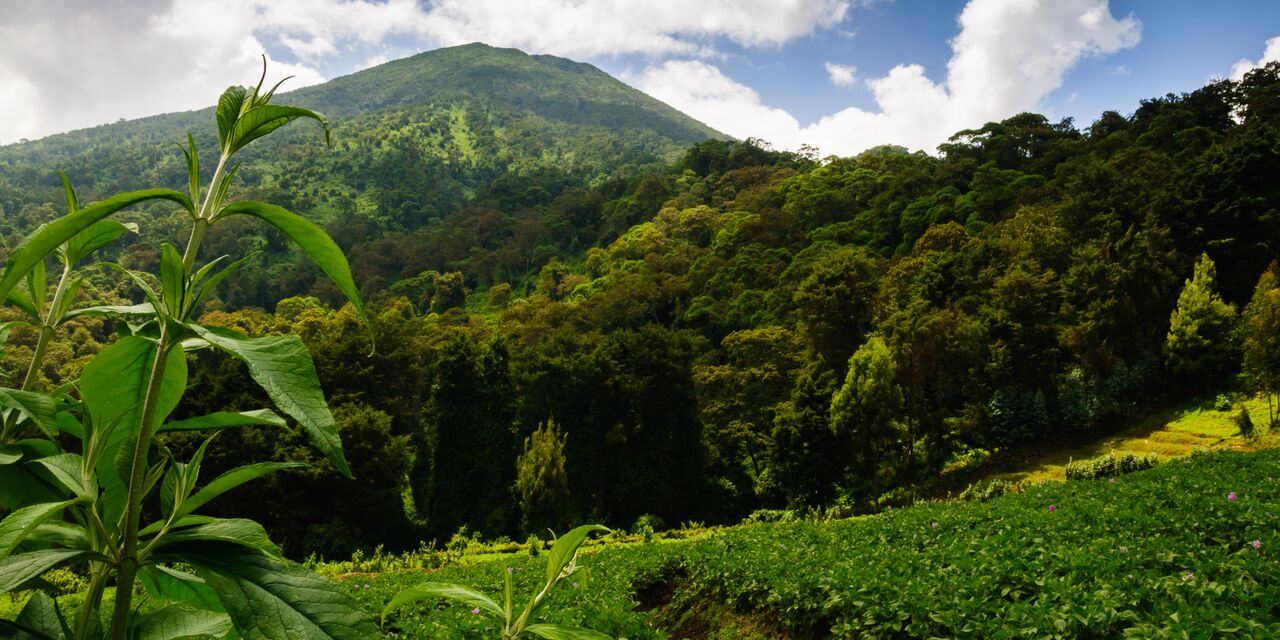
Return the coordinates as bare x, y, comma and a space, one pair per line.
1172, 433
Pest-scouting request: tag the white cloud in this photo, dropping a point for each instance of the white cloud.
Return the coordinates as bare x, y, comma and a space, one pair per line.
586, 28
77, 63
1270, 54
702, 91
1008, 56
841, 75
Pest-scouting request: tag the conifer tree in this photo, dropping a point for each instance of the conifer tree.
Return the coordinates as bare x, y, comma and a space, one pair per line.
1198, 345
541, 482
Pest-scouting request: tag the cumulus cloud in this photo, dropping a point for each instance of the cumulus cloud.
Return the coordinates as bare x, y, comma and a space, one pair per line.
704, 92
77, 63
1008, 56
1269, 54
841, 75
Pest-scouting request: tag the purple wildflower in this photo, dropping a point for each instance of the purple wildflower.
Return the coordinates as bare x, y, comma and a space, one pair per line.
1053, 507
1257, 544
475, 611
1232, 497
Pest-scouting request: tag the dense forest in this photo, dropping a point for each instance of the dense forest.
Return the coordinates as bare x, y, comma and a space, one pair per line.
584, 329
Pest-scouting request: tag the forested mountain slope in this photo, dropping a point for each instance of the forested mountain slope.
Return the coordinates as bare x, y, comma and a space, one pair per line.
415, 141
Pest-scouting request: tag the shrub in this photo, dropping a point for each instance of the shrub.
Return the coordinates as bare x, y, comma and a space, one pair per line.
1109, 466
650, 522
1244, 423
1222, 402
982, 492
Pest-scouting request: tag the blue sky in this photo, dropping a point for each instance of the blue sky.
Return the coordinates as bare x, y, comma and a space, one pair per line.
747, 67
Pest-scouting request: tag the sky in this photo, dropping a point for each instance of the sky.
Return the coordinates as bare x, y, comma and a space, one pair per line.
838, 75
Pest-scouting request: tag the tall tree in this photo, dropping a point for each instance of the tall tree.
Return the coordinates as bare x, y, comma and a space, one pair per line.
866, 418
1261, 324
1198, 346
542, 485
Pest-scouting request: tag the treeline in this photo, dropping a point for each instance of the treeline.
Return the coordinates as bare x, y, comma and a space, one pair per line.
751, 328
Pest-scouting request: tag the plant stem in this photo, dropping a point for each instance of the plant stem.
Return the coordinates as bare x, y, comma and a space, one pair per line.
92, 601
129, 562
127, 572
47, 328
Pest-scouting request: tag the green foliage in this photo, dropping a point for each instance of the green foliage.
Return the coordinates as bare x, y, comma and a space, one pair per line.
120, 473
1223, 402
864, 417
1200, 330
1158, 553
562, 562
1261, 329
1109, 466
541, 482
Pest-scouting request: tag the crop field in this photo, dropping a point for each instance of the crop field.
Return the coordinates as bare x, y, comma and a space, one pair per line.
1183, 550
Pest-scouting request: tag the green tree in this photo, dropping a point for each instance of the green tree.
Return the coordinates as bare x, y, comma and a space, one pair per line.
866, 416
541, 482
1198, 346
1261, 329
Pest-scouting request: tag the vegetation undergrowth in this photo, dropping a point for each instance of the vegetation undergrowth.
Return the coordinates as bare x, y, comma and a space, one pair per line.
1183, 550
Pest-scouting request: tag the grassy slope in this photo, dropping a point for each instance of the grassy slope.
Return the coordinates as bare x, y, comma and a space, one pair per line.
1158, 552
1173, 432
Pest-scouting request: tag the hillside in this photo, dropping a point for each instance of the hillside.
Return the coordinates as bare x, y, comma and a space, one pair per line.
1184, 550
415, 139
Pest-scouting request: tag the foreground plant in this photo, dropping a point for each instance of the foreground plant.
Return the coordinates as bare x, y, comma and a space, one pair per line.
84, 506
561, 563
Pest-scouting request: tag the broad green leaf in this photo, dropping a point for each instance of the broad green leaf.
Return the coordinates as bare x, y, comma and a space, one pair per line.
566, 547
271, 600
173, 280
230, 104
114, 311
312, 240
41, 615
230, 480
558, 632
96, 236
61, 534
455, 592
113, 386
66, 470
163, 583
39, 245
18, 569
20, 486
177, 621
227, 420
9, 454
236, 531
189, 521
19, 524
282, 366
262, 120
39, 408
22, 300
114, 383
